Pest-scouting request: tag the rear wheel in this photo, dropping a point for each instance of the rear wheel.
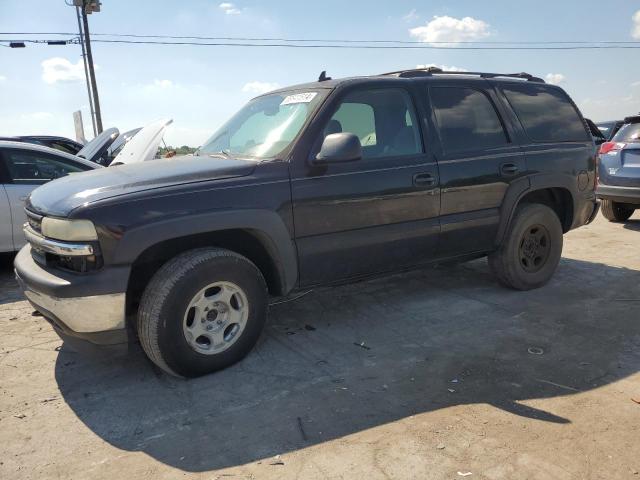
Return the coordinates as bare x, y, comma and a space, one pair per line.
615, 212
202, 311
532, 248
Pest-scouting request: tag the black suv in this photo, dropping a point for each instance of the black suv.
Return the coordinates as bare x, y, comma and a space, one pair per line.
316, 184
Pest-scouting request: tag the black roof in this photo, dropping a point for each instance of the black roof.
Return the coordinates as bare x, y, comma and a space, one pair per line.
411, 74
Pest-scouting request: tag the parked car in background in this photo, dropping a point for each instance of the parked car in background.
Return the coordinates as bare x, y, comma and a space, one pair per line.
315, 184
59, 143
619, 172
596, 133
144, 145
23, 167
609, 129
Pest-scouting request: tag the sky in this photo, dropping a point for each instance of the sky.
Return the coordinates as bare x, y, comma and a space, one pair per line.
199, 87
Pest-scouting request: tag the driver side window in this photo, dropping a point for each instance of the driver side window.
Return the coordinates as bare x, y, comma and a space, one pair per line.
33, 168
383, 120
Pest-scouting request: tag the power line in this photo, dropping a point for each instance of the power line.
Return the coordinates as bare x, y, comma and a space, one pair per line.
421, 46
368, 47
348, 41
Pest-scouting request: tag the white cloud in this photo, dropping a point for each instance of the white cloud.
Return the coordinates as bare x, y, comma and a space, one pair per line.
259, 87
37, 116
446, 68
449, 30
162, 83
411, 16
635, 32
2, 78
230, 8
555, 78
635, 84
58, 69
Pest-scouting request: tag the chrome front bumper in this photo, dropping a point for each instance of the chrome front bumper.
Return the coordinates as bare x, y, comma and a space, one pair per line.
66, 299
98, 313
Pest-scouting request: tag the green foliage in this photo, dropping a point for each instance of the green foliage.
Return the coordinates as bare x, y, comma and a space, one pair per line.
183, 150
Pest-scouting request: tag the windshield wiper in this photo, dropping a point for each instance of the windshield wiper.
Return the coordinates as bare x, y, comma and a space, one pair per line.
224, 153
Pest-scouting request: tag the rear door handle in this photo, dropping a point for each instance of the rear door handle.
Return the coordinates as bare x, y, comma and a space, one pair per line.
508, 169
424, 180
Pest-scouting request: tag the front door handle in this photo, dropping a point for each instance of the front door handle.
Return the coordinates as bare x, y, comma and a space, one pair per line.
424, 180
508, 169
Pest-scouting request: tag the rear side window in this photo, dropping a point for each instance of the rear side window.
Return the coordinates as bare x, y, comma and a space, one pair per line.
628, 133
546, 114
467, 120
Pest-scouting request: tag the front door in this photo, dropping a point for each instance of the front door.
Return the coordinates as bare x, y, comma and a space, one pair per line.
376, 214
478, 159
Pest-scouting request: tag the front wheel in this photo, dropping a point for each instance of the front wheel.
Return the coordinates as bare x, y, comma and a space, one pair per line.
202, 311
531, 250
614, 211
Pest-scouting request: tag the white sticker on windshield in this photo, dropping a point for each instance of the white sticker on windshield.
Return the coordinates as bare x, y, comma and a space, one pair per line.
299, 98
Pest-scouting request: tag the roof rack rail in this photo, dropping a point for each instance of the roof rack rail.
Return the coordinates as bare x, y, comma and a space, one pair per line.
427, 72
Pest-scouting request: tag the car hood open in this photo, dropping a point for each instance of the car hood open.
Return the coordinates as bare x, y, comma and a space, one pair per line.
93, 150
60, 197
144, 145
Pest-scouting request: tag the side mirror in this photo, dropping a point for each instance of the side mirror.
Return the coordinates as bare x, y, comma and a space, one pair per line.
338, 148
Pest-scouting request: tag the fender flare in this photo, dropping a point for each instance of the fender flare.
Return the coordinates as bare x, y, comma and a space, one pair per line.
266, 225
525, 185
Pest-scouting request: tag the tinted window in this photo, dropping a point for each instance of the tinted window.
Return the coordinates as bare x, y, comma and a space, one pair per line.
546, 114
628, 133
32, 168
383, 120
467, 120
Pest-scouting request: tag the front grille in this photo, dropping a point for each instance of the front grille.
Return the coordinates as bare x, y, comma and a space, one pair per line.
34, 220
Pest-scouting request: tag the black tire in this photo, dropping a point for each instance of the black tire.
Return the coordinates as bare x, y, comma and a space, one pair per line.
614, 211
524, 261
167, 296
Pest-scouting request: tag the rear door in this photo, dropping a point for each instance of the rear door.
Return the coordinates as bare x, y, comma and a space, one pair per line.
478, 158
376, 214
26, 170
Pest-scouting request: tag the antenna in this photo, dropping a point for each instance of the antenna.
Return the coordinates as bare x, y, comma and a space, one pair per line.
323, 76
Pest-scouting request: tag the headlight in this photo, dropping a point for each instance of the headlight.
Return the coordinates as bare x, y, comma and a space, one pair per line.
70, 230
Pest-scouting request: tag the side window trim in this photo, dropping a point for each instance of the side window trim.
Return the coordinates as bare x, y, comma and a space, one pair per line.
507, 134
413, 110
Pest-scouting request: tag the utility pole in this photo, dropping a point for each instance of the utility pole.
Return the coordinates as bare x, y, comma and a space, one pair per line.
89, 6
86, 73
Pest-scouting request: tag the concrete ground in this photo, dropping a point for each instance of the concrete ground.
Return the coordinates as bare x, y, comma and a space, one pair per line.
430, 375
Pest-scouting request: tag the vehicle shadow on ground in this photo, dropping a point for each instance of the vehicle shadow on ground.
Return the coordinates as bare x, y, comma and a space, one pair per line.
9, 292
632, 225
339, 361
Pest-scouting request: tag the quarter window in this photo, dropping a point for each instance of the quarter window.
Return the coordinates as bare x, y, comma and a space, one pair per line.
546, 114
383, 120
467, 120
28, 168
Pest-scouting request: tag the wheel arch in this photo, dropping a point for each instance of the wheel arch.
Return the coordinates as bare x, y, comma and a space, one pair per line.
260, 236
557, 193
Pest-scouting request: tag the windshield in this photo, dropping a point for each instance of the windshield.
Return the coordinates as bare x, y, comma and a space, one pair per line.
265, 126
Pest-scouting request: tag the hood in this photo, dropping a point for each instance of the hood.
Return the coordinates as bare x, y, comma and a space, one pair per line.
61, 196
144, 145
93, 150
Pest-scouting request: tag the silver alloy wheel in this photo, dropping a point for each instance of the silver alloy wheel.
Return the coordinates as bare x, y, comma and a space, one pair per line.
215, 318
